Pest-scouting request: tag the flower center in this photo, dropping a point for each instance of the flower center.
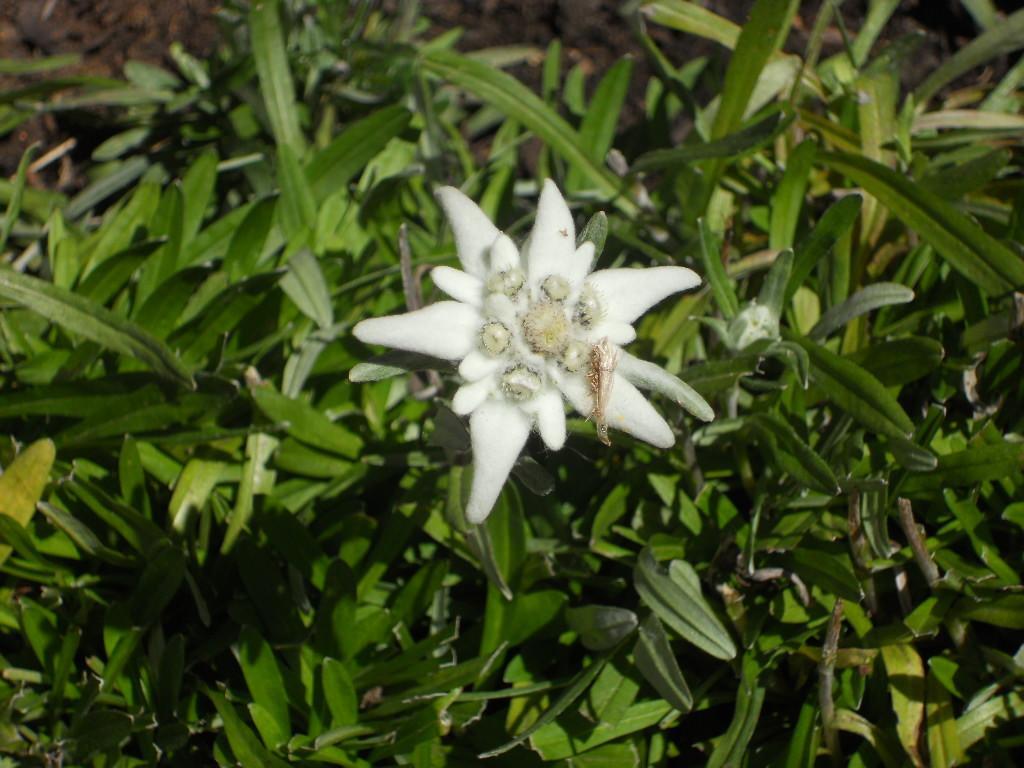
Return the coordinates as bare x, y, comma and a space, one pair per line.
520, 383
555, 287
546, 328
589, 309
495, 338
575, 356
508, 282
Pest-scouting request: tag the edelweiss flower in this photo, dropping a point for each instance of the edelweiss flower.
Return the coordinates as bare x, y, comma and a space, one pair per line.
535, 327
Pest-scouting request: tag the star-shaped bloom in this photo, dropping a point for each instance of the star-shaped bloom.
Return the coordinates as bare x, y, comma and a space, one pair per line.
533, 329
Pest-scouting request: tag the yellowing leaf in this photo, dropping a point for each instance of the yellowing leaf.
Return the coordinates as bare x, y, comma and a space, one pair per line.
906, 687
22, 484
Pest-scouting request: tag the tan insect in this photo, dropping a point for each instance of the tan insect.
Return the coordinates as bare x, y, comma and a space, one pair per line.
563, 232
604, 357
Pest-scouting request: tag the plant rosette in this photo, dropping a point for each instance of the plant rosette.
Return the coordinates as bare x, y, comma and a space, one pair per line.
535, 328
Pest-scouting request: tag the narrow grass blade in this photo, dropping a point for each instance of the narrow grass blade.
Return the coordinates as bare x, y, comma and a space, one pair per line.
516, 101
863, 301
966, 246
275, 78
84, 318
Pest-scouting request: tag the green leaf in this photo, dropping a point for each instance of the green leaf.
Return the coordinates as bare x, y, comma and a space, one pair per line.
788, 200
17, 192
601, 627
799, 460
597, 130
255, 479
1005, 611
333, 167
575, 689
714, 271
856, 391
766, 29
340, 694
657, 663
863, 301
695, 19
966, 468
738, 144
297, 209
275, 79
305, 423
677, 600
966, 246
518, 103
266, 685
977, 721
900, 361
159, 583
126, 173
1004, 38
244, 744
305, 285
249, 239
803, 745
942, 734
833, 225
100, 730
732, 747
197, 187
81, 316
558, 742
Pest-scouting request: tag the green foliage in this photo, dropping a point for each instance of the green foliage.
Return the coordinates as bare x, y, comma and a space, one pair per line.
228, 536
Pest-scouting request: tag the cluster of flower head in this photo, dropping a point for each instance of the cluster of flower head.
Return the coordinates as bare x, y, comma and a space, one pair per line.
533, 329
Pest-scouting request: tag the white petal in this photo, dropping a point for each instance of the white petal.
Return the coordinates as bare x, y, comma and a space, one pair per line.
460, 285
447, 329
504, 254
552, 241
579, 265
576, 391
498, 432
549, 413
616, 332
629, 411
469, 397
628, 293
500, 307
473, 231
476, 365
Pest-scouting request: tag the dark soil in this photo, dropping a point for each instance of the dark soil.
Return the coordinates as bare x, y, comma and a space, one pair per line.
106, 33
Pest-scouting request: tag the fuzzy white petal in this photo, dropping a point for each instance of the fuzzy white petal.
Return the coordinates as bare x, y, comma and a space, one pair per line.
615, 331
628, 293
579, 266
476, 365
469, 397
552, 242
576, 391
549, 413
498, 432
446, 329
504, 254
473, 231
629, 411
460, 285
501, 308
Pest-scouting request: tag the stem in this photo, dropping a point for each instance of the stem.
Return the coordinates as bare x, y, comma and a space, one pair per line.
826, 671
921, 554
859, 550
